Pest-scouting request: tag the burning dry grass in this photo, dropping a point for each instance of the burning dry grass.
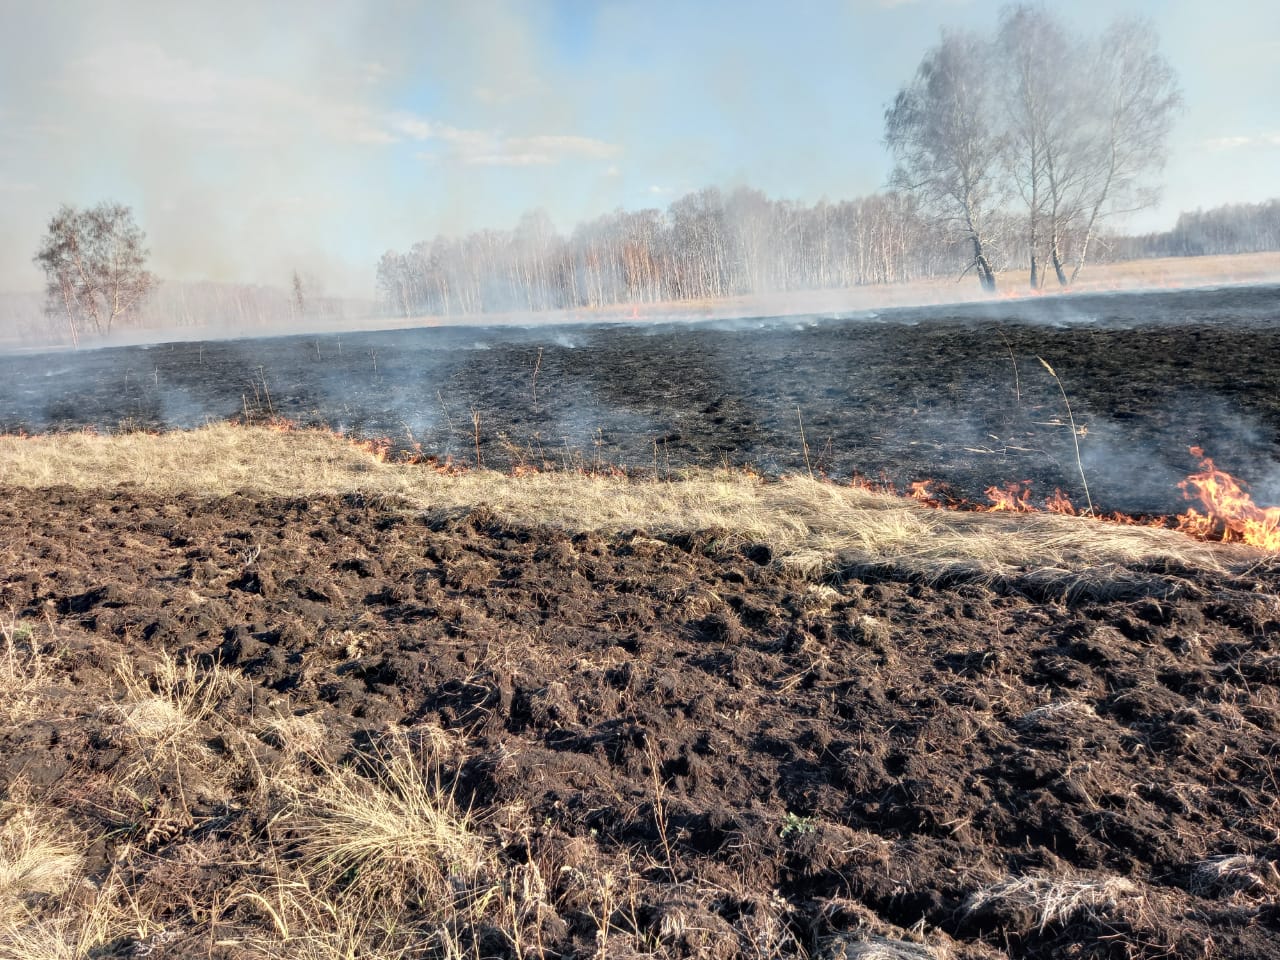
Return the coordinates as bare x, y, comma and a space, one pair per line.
812, 527
237, 836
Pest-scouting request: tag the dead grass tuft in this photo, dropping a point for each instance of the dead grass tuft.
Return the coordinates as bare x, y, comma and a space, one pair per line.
296, 736
390, 827
165, 718
1235, 875
41, 855
306, 923
77, 924
1060, 711
868, 946
26, 670
1054, 900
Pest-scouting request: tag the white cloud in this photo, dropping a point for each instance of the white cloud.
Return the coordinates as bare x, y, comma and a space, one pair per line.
1219, 144
570, 146
241, 107
412, 127
491, 149
519, 90
509, 159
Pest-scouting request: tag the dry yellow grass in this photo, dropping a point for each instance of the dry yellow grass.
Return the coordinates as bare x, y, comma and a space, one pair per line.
812, 526
40, 855
1053, 899
25, 670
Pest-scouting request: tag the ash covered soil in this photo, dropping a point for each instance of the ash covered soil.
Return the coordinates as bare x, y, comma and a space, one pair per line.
952, 393
795, 766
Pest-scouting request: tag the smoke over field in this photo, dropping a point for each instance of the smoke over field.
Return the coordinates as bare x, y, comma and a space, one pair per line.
956, 394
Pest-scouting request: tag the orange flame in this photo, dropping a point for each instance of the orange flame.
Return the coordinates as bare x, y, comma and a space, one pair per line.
1060, 503
1014, 497
377, 448
919, 490
1231, 515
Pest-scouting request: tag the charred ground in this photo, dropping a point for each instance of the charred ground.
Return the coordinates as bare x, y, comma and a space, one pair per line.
951, 393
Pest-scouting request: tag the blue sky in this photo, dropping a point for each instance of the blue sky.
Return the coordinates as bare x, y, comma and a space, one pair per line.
253, 137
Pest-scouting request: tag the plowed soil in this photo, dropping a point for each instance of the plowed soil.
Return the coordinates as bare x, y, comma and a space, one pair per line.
866, 753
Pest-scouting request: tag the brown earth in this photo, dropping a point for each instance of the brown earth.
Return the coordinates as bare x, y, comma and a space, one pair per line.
780, 767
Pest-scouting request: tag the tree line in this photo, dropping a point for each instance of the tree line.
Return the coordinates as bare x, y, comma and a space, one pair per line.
1013, 150
1233, 228
706, 245
1017, 150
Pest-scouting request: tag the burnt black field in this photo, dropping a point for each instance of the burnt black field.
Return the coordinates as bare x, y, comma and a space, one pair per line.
955, 393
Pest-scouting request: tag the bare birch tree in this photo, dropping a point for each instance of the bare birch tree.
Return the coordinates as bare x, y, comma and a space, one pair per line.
1135, 95
945, 132
298, 296
1038, 96
94, 263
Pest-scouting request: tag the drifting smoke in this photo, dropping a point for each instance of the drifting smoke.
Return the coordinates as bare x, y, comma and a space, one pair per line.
252, 140
955, 394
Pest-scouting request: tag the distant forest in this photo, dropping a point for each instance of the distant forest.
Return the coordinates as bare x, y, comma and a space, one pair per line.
1234, 228
709, 245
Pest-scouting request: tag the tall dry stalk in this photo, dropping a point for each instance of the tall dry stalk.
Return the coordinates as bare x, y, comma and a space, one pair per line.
1075, 433
537, 365
1017, 380
804, 444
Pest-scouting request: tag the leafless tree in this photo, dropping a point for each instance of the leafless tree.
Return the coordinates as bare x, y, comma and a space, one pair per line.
94, 263
1036, 97
945, 132
297, 299
1134, 97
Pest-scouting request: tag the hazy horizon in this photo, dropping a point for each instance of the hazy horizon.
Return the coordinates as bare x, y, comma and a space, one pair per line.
251, 141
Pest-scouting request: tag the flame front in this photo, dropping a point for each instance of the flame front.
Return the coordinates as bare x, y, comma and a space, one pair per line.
1230, 513
1014, 497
